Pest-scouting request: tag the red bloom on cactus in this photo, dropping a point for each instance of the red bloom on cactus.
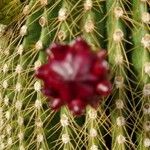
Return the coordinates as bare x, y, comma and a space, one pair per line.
74, 76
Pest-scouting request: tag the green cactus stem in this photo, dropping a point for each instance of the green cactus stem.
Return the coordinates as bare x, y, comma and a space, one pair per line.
119, 64
28, 28
141, 63
91, 30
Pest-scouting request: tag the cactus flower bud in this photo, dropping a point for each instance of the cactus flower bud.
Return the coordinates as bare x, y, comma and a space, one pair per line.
74, 76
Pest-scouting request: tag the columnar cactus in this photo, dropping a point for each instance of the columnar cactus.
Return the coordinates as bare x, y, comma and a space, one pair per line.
141, 39
66, 44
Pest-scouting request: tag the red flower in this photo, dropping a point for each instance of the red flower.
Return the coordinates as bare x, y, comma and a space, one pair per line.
74, 76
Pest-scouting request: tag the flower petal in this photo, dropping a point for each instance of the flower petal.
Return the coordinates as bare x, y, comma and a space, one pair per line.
94, 101
102, 54
84, 91
43, 71
65, 93
75, 76
80, 46
77, 106
50, 92
100, 69
104, 88
56, 103
59, 51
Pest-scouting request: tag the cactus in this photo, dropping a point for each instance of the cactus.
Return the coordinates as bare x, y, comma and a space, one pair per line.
121, 120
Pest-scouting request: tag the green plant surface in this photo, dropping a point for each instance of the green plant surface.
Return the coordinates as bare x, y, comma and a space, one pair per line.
9, 11
93, 31
28, 28
117, 55
141, 59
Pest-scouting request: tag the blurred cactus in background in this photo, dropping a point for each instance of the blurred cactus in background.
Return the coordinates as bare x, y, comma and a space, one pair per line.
28, 28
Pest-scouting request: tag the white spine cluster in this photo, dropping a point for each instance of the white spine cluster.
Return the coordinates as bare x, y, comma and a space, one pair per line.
118, 59
23, 30
92, 114
65, 138
20, 120
38, 104
88, 5
93, 132
119, 104
18, 105
61, 35
20, 135
44, 2
120, 139
7, 115
118, 11
120, 121
5, 84
18, 69
39, 124
37, 64
18, 87
146, 90
89, 26
64, 120
62, 14
39, 138
146, 108
43, 21
37, 86
5, 68
118, 35
2, 29
147, 142
146, 41
26, 10
21, 147
145, 17
20, 49
6, 100
9, 142
119, 81
94, 147
147, 126
39, 45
